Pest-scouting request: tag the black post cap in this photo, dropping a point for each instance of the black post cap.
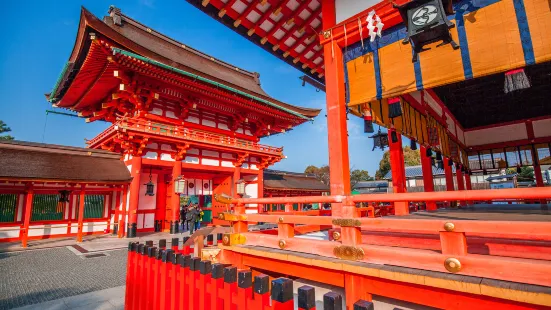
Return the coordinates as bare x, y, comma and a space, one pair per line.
185, 240
159, 254
162, 243
210, 238
132, 246
363, 305
184, 261
332, 301
166, 255
152, 252
144, 250
306, 297
176, 258
217, 271
230, 274
174, 242
244, 279
139, 248
149, 243
261, 284
219, 237
282, 290
194, 263
205, 267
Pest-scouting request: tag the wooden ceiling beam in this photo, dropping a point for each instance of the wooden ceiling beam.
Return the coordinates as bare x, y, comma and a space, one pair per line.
283, 20
264, 16
305, 23
224, 8
245, 13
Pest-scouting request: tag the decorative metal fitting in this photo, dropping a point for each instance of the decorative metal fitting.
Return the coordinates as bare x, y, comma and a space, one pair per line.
449, 226
221, 216
280, 219
452, 264
348, 252
226, 240
336, 235
347, 222
282, 244
327, 34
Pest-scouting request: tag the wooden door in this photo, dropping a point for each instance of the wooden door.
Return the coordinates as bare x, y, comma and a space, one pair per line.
221, 185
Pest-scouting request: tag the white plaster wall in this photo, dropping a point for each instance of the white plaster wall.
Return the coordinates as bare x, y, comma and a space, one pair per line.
228, 156
20, 206
139, 225
208, 123
9, 232
542, 128
149, 220
192, 119
348, 8
496, 134
41, 230
147, 202
210, 162
226, 163
433, 104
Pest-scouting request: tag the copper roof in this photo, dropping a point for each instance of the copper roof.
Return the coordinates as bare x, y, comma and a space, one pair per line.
21, 160
283, 180
144, 41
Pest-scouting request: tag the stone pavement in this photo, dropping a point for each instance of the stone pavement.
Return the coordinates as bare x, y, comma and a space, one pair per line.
108, 299
33, 277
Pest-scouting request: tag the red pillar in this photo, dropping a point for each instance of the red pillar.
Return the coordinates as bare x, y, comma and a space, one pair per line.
116, 226
175, 201
339, 166
426, 165
260, 184
27, 216
80, 214
460, 181
398, 171
122, 221
449, 174
134, 196
468, 185
236, 177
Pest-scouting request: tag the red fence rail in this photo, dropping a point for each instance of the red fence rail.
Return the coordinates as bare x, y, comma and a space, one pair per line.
163, 278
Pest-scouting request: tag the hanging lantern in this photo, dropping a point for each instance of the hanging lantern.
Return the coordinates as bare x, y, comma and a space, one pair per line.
450, 162
380, 140
241, 187
394, 136
519, 169
516, 80
64, 196
426, 23
150, 187
180, 185
428, 152
438, 156
412, 144
394, 107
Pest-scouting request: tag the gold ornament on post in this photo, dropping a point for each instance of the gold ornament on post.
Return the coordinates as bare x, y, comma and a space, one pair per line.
336, 235
282, 244
449, 226
452, 265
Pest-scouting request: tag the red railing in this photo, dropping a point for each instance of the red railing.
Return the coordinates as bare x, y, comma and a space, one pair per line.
180, 132
528, 262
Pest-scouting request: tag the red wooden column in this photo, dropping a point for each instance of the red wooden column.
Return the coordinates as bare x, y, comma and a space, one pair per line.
236, 177
260, 184
428, 181
27, 215
135, 172
81, 198
398, 170
117, 212
449, 173
468, 185
460, 181
339, 166
175, 201
122, 221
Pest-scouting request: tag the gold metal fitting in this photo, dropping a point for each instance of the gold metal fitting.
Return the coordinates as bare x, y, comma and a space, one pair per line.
327, 34
449, 226
280, 219
226, 240
452, 264
233, 239
336, 235
347, 222
282, 244
221, 216
348, 252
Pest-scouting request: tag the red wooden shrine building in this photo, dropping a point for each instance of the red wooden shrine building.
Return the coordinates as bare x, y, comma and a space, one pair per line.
182, 120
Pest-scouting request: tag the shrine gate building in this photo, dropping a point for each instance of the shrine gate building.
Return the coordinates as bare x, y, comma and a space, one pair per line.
177, 115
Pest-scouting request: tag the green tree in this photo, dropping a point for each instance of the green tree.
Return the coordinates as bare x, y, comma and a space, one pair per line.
321, 173
3, 129
411, 158
526, 173
358, 175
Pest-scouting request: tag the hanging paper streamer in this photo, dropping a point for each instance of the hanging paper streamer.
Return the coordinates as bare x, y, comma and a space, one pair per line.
374, 25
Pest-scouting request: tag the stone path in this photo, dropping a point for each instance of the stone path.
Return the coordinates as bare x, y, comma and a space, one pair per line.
33, 277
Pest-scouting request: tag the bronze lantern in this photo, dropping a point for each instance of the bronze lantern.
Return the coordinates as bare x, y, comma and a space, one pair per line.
380, 140
150, 187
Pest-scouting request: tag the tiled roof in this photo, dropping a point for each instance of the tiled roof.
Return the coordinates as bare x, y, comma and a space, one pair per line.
36, 161
274, 179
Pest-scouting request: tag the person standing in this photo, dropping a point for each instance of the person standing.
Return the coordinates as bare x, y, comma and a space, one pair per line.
191, 216
183, 212
199, 218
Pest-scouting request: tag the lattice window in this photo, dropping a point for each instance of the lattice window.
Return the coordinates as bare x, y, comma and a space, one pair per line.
94, 206
8, 205
46, 207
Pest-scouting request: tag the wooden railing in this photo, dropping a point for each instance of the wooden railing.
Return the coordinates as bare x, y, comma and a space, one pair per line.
180, 132
452, 256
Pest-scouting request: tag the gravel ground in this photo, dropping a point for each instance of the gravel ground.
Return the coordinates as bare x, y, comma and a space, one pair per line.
37, 276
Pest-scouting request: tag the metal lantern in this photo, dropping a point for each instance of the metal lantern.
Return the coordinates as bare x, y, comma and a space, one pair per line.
180, 185
380, 140
150, 187
413, 145
241, 187
426, 23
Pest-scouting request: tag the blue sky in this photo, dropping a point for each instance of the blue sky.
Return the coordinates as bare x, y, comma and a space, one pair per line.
39, 36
